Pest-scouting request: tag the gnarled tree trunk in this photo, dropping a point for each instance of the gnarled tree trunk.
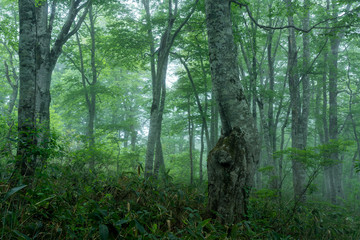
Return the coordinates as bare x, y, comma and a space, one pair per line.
231, 164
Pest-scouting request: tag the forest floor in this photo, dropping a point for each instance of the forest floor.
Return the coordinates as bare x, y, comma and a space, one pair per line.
64, 204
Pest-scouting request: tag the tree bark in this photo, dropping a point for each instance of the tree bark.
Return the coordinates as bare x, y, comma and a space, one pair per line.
26, 159
231, 164
35, 31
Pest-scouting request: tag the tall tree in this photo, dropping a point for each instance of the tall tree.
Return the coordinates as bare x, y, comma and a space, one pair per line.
335, 170
232, 162
38, 54
299, 109
158, 76
26, 115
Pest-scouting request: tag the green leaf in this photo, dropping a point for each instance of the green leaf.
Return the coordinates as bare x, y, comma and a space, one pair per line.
139, 227
12, 191
104, 232
205, 222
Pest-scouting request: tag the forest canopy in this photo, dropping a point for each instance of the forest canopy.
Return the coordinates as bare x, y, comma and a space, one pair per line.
179, 119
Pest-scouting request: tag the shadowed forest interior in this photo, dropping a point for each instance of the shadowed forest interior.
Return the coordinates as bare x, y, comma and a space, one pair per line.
179, 119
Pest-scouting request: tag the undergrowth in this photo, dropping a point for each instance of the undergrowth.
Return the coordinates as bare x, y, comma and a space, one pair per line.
66, 204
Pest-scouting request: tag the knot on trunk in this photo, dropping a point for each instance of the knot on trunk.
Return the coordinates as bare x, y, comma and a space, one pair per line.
229, 170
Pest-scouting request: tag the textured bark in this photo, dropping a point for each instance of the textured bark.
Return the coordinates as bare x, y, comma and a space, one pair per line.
214, 121
231, 164
35, 31
26, 160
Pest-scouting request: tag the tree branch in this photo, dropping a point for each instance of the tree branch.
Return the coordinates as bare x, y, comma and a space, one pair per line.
268, 28
7, 75
52, 17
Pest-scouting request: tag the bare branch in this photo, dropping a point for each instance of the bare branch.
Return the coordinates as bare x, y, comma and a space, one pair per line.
268, 28
183, 23
65, 32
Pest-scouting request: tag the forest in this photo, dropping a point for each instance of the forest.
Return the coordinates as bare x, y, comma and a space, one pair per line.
179, 119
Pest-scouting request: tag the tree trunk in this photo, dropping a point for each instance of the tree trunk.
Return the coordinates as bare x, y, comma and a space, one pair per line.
158, 76
336, 190
201, 154
298, 109
92, 90
335, 170
231, 164
214, 121
274, 183
159, 166
26, 159
35, 31
191, 139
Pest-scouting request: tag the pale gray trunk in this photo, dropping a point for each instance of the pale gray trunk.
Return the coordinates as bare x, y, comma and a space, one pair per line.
231, 164
191, 140
159, 166
158, 76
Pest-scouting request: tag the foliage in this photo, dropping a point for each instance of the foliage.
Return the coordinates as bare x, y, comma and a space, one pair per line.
64, 203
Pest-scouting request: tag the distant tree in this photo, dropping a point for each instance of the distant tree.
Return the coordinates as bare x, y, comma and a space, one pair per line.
159, 62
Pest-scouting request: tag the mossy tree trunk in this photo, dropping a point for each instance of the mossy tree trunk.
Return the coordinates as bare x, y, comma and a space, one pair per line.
232, 162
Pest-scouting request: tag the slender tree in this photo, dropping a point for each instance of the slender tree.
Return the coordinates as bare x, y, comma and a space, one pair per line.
158, 75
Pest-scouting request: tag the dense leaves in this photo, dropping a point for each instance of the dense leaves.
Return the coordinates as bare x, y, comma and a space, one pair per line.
66, 204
